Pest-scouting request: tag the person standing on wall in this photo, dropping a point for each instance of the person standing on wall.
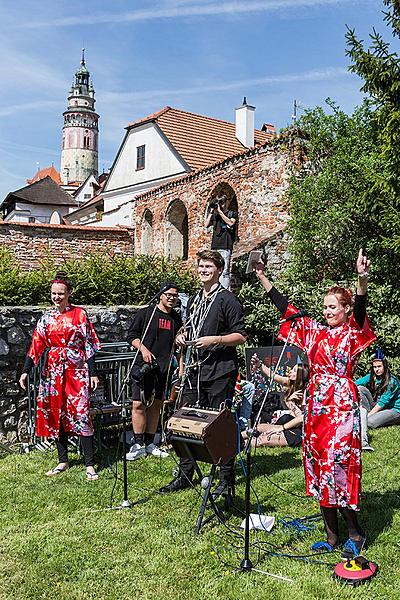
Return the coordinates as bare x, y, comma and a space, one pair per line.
224, 224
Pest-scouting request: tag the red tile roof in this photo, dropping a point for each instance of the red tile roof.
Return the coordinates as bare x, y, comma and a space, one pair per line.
199, 140
47, 172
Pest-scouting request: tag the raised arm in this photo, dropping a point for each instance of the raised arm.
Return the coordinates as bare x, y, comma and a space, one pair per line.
360, 303
276, 297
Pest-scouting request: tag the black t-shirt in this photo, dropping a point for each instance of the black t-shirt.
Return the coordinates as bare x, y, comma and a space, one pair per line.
223, 234
160, 335
224, 314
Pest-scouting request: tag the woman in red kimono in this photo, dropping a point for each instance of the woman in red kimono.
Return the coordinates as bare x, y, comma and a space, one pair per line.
332, 438
66, 336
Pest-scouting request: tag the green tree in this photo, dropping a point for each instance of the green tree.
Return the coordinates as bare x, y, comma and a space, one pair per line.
379, 68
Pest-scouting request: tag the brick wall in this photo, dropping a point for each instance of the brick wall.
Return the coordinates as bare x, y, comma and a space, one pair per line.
255, 182
33, 242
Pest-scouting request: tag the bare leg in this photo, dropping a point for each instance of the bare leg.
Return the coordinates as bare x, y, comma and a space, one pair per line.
270, 439
139, 417
153, 416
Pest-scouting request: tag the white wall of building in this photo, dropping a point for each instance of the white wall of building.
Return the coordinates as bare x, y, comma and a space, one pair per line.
160, 161
23, 212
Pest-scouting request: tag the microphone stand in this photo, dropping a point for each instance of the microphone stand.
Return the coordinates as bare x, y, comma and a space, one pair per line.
126, 503
246, 564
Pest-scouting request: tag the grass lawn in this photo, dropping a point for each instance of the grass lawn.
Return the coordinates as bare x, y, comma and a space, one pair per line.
58, 542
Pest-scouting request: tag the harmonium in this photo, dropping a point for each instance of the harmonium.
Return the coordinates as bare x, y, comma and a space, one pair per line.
206, 435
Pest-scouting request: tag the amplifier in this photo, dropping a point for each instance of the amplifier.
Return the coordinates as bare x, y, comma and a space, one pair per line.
205, 435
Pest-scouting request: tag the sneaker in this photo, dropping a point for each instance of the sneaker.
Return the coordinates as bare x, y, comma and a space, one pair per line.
367, 448
353, 548
136, 451
154, 450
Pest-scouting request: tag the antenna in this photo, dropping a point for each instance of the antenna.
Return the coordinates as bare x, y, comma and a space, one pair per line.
296, 105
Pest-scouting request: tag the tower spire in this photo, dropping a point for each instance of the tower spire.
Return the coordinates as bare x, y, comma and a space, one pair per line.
79, 155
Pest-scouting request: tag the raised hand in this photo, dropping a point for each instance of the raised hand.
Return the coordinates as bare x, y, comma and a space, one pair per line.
362, 264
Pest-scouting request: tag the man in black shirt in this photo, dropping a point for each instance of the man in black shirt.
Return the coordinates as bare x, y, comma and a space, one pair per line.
224, 223
152, 333
215, 325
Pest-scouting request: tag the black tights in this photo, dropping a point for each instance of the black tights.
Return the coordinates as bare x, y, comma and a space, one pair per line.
86, 443
330, 516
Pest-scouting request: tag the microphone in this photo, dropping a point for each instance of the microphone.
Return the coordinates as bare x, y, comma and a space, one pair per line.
298, 315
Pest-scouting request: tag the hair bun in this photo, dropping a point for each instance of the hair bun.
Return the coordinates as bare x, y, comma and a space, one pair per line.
62, 277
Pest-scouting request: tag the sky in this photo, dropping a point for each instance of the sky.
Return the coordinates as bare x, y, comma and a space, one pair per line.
203, 56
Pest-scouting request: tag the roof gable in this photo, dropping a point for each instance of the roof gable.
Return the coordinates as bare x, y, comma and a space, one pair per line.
46, 172
199, 140
44, 191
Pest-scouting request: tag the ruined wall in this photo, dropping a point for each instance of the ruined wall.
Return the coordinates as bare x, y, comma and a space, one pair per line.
32, 242
255, 182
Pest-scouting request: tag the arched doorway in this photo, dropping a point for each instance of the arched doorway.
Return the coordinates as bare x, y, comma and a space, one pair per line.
176, 230
147, 233
224, 191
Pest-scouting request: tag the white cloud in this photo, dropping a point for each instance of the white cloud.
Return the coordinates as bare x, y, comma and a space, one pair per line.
313, 75
186, 9
39, 105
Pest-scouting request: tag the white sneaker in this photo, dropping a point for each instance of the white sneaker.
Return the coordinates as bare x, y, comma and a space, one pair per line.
136, 451
154, 450
367, 448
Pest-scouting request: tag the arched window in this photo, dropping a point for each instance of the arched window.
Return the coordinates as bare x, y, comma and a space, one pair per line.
55, 218
147, 233
176, 231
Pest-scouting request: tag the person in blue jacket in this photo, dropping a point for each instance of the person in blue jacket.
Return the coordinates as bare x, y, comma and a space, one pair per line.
380, 397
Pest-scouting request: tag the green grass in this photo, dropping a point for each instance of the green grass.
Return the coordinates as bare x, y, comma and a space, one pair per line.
57, 541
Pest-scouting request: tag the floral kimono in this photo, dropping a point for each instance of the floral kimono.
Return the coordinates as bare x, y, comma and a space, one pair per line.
68, 341
332, 427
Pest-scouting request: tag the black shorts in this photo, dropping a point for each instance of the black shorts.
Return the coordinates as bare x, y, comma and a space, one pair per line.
292, 436
154, 382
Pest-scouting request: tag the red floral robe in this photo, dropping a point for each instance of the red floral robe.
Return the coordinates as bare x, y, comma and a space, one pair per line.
70, 340
332, 427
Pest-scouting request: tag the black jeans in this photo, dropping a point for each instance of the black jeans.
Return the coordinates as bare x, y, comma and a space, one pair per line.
210, 395
86, 443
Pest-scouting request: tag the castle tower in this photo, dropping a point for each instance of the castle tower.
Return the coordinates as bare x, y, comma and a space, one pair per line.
79, 154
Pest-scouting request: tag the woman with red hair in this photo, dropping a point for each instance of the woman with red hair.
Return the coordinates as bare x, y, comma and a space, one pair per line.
332, 439
65, 336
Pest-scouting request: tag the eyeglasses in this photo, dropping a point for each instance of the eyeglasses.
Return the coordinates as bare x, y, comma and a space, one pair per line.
171, 296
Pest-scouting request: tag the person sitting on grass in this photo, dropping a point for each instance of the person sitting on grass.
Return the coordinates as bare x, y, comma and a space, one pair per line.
380, 397
287, 431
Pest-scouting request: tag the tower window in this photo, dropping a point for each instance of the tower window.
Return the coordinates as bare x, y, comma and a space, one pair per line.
140, 157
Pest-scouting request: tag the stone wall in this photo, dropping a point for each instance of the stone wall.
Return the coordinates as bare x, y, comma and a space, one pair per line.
170, 219
31, 243
16, 328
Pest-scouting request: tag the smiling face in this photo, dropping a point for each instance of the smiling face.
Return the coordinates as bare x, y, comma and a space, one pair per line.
208, 272
378, 367
168, 299
60, 295
334, 312
293, 373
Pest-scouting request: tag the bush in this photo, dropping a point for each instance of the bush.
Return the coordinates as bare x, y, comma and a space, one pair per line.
100, 279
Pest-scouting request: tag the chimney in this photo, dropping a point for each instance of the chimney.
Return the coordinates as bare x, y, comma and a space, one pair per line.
244, 118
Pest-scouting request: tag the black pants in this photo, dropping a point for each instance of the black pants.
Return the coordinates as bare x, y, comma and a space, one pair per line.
86, 443
210, 395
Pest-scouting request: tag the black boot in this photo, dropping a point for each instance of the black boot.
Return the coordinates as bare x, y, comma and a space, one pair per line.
180, 483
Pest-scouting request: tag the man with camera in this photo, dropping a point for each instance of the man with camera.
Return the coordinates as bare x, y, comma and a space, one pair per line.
152, 333
214, 326
224, 224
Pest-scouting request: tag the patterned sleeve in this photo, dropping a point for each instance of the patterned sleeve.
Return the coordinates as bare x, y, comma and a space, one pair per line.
38, 344
300, 332
92, 344
361, 337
